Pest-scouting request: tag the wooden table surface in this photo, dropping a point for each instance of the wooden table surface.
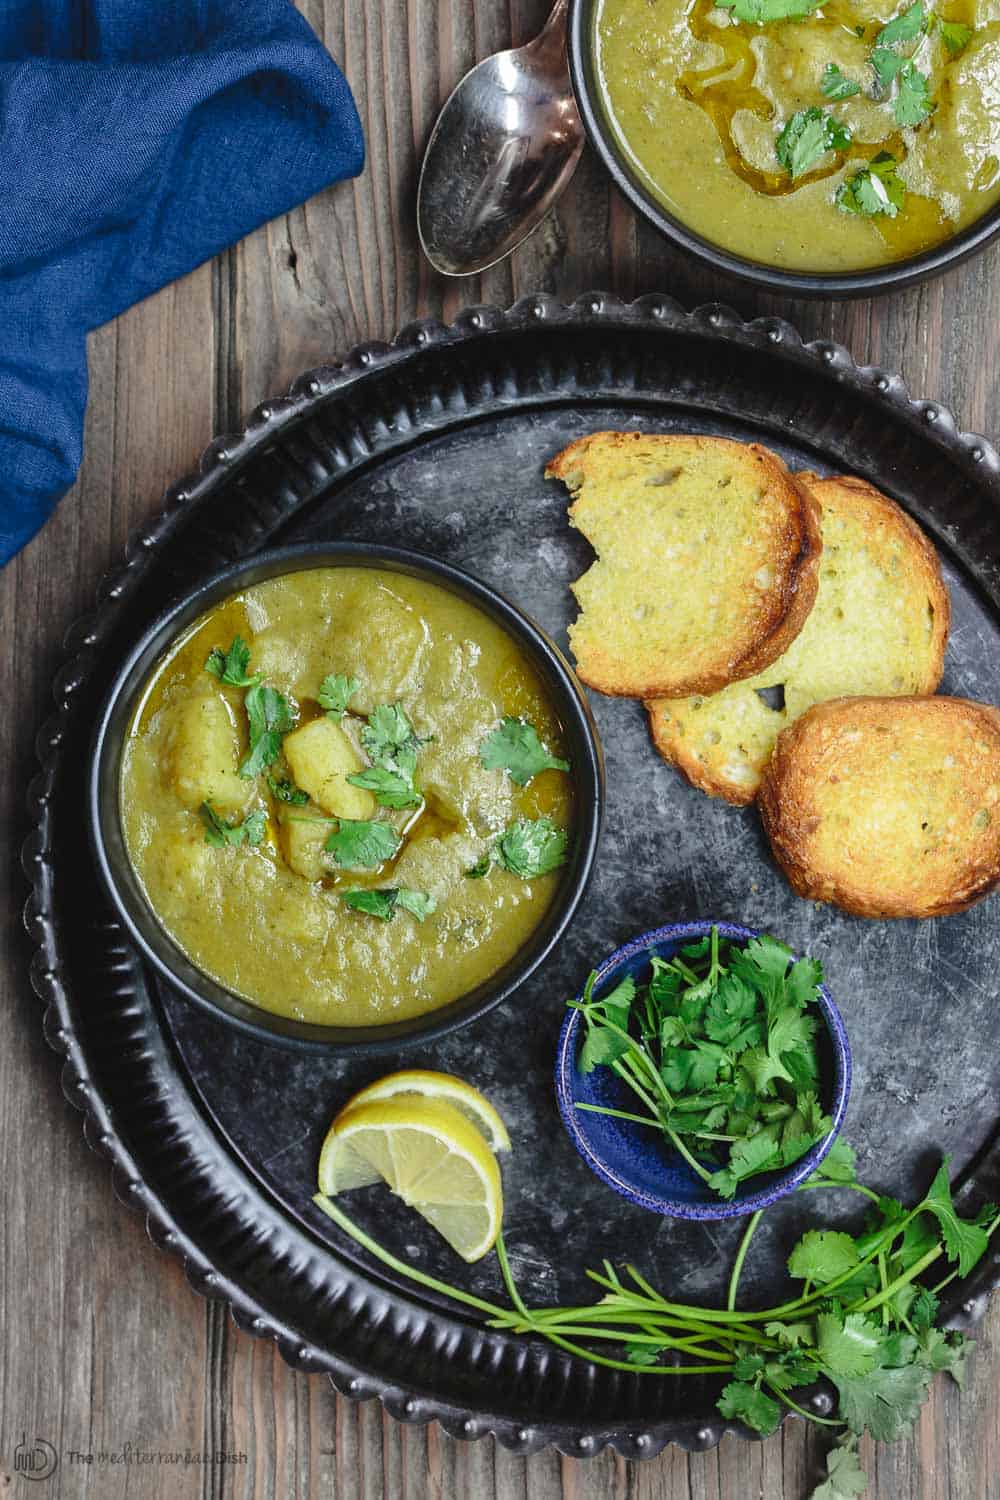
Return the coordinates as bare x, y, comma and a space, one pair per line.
103, 1342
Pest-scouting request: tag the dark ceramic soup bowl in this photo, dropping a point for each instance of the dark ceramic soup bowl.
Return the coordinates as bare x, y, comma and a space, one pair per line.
122, 882
892, 276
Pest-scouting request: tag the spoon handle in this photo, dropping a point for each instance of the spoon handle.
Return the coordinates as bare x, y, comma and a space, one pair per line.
550, 43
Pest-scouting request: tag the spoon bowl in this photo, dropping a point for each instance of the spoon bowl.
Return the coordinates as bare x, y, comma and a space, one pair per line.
503, 149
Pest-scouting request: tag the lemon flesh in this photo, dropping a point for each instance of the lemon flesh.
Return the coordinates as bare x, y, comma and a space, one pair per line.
432, 1157
341, 1168
429, 1085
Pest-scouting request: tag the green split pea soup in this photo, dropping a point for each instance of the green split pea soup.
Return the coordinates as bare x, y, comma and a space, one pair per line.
812, 137
305, 801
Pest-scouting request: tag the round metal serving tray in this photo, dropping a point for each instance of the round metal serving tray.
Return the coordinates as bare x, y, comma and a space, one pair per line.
438, 441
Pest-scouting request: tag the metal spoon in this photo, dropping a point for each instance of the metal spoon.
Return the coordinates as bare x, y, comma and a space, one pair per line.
505, 145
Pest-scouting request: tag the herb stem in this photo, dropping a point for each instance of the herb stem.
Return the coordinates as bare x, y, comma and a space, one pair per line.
508, 1276
696, 1166
625, 1074
883, 1278
914, 1271
810, 1416
621, 1364
620, 1114
357, 1234
741, 1255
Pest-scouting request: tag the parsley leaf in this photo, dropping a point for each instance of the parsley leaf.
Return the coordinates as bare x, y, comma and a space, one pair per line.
389, 736
886, 64
834, 85
375, 903
383, 903
285, 790
418, 903
270, 719
601, 1046
964, 1241
808, 136
750, 1405
531, 847
904, 28
875, 189
760, 12
885, 1401
231, 666
804, 979
753, 1154
516, 748
335, 692
479, 869
219, 834
845, 1478
732, 1005
848, 1345
389, 788
791, 1335
643, 1354
923, 1309
939, 1350
955, 36
392, 745
762, 1069
822, 1255
360, 845
913, 102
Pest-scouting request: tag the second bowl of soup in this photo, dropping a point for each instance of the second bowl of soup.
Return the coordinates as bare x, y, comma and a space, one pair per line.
804, 146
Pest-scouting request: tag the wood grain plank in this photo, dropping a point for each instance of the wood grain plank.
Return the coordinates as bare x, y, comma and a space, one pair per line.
101, 1340
77, 1317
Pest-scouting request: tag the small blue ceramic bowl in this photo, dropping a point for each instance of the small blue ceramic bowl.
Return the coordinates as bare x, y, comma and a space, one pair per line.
638, 1163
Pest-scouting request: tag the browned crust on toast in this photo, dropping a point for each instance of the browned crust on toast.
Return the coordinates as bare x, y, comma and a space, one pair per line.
788, 603
924, 566
888, 807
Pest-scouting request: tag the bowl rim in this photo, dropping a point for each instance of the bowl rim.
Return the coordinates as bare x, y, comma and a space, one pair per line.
892, 277
779, 1186
156, 945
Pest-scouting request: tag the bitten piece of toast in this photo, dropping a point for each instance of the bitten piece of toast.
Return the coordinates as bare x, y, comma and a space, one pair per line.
888, 807
879, 627
707, 560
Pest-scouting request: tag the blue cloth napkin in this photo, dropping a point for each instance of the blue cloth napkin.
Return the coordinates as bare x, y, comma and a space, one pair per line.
137, 139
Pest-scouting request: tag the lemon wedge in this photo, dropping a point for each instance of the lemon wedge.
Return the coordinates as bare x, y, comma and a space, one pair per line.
420, 1081
430, 1155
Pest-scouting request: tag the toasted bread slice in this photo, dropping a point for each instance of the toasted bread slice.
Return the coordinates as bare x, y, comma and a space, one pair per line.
889, 807
708, 554
879, 627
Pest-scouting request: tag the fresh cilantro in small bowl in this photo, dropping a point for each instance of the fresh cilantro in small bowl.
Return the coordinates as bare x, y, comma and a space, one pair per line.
704, 1070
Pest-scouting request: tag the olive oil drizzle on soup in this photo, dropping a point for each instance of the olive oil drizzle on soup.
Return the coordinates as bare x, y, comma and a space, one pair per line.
697, 99
266, 920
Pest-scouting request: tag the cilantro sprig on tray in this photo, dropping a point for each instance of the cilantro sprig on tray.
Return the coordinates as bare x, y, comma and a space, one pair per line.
718, 1047
864, 1318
